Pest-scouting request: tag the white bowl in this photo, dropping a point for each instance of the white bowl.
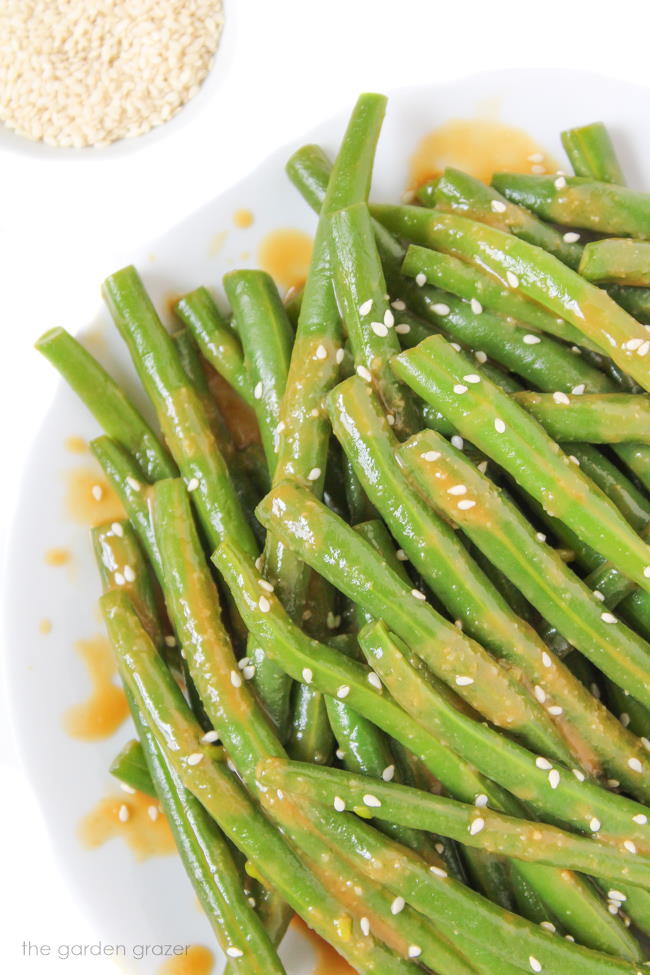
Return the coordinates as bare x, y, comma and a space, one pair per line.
131, 902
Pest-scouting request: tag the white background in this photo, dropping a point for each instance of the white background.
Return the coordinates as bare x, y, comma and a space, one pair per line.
65, 222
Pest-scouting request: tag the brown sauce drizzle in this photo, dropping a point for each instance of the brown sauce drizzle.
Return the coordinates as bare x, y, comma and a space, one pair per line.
478, 146
102, 714
328, 961
286, 254
197, 960
129, 817
90, 499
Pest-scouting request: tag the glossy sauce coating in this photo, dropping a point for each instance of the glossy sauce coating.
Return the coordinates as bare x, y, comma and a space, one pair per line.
328, 961
480, 147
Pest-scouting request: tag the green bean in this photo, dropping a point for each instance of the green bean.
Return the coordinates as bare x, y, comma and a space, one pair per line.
502, 430
616, 261
107, 402
591, 152
130, 767
595, 418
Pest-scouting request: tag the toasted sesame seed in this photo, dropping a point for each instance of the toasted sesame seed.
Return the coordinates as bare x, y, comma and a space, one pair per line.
307, 675
209, 737
398, 305
472, 378
608, 618
366, 307
480, 356
401, 555
195, 757
153, 812
559, 183
481, 800
339, 804
402, 328
476, 306
543, 763
389, 773
123, 813
440, 308
125, 787
133, 484
379, 329
117, 529
374, 680
438, 872
554, 778
635, 764
594, 824
644, 348
530, 339
321, 352
418, 594
259, 389
535, 965
460, 389
389, 318
640, 819
570, 237
579, 774
463, 681
646, 571
457, 489
555, 710
119, 579
235, 679
421, 279
632, 344
497, 206
364, 924
233, 952
430, 455
512, 279
457, 442
343, 691
264, 604
170, 641
364, 373
624, 718
339, 357
476, 825
599, 595
616, 895
499, 426
539, 693
630, 846
578, 390
314, 474
371, 801
540, 536
548, 926
561, 398
97, 492
465, 504
398, 905
414, 951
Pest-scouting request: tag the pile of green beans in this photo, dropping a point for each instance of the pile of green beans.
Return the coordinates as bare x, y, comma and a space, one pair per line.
389, 666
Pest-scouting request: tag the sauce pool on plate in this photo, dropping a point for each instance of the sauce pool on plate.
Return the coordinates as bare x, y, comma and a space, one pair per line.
136, 818
242, 218
196, 961
90, 499
480, 147
286, 254
104, 711
328, 961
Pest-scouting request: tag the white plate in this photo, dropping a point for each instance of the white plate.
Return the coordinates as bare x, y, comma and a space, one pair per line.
151, 902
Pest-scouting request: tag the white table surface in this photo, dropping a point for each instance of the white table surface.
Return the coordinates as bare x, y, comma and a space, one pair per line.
65, 223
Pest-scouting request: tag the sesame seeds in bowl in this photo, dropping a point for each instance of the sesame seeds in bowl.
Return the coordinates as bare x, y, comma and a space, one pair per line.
90, 73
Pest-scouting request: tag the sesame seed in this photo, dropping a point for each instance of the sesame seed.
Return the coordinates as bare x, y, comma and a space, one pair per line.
170, 641
401, 555
635, 764
616, 895
248, 672
460, 389
193, 484
257, 392
554, 778
535, 965
476, 306
578, 390
440, 308
457, 489
235, 679
389, 318
646, 743
379, 329
539, 693
371, 801
129, 573
339, 357
497, 206
480, 356
97, 492
343, 692
640, 819
465, 504
463, 681
632, 344
599, 595
630, 846
119, 578
314, 474
530, 339
476, 825
374, 680
574, 460
624, 718
499, 426
233, 952
543, 763
472, 378
125, 787
321, 352
398, 305
266, 585
398, 905
555, 710
307, 675
123, 813
366, 307
482, 466
430, 455
153, 812
536, 157
608, 618
579, 774
594, 824
264, 604
364, 373
570, 237
402, 328
209, 737
438, 872
421, 279
418, 594
133, 484
457, 442
389, 773
646, 571
559, 183
561, 398
414, 951
117, 529
644, 348
512, 279
195, 758
339, 804
548, 926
